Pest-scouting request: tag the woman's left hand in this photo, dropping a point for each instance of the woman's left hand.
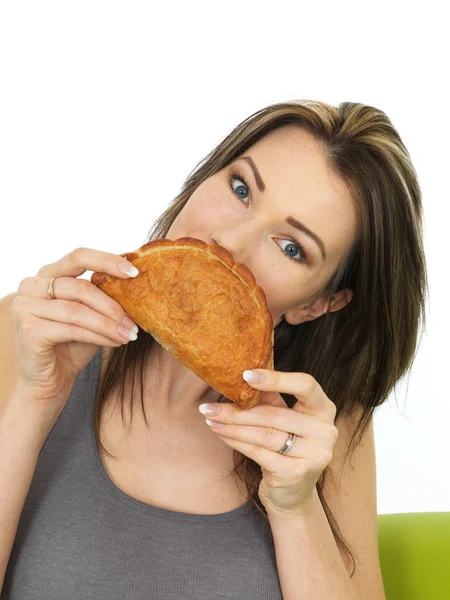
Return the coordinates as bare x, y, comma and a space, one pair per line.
289, 480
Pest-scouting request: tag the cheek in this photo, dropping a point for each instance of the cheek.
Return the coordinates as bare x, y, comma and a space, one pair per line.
202, 214
276, 289
277, 283
283, 290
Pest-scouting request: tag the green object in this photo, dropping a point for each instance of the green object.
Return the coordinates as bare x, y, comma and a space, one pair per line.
414, 551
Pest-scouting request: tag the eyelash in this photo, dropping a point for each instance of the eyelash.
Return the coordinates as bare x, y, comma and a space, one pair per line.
232, 177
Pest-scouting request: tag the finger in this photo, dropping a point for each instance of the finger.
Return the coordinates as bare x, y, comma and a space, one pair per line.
271, 417
303, 386
76, 290
73, 314
78, 261
264, 437
272, 462
56, 333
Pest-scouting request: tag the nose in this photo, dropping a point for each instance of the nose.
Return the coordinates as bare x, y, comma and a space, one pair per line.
240, 239
213, 241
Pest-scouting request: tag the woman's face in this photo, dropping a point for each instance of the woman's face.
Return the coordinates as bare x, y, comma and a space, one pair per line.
288, 264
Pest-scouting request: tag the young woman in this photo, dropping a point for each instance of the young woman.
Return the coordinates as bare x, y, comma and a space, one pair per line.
113, 483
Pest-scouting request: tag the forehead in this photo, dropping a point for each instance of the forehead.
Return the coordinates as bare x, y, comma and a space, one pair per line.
294, 169
299, 157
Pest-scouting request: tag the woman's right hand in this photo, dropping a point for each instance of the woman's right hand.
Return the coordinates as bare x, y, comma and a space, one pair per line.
57, 338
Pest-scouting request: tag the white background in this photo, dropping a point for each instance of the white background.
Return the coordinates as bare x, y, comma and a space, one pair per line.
106, 107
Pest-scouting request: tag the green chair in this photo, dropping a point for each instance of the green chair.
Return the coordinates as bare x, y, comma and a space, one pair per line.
414, 551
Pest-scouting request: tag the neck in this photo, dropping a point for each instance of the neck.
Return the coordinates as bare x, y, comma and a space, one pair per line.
171, 390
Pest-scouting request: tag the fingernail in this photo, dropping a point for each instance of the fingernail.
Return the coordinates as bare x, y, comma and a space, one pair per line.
214, 423
129, 324
130, 335
209, 409
128, 269
253, 377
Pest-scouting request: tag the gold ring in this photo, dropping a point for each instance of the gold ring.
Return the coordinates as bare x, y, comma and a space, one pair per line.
50, 291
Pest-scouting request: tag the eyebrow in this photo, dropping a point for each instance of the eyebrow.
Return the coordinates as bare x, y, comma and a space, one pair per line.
289, 220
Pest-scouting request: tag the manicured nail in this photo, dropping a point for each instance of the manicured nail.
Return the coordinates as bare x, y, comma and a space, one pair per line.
253, 376
214, 423
128, 269
129, 334
209, 409
129, 324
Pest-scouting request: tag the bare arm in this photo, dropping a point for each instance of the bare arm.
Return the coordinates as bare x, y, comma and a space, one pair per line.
22, 435
310, 564
7, 348
308, 560
35, 382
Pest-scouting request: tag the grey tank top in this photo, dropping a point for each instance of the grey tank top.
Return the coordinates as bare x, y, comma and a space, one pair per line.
82, 538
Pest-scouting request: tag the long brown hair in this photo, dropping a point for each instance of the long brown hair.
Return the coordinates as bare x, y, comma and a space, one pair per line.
366, 347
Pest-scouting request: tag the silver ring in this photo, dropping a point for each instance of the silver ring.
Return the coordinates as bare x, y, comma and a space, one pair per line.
288, 445
50, 291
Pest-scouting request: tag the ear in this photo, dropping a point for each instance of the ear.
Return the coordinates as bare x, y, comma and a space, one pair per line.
320, 306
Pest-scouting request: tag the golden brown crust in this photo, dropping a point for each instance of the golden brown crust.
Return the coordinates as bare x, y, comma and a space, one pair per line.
201, 306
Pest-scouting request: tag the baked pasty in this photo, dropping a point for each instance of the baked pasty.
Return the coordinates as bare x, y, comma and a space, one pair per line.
202, 307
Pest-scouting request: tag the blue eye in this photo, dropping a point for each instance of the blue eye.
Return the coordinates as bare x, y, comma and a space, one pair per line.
235, 176
241, 193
